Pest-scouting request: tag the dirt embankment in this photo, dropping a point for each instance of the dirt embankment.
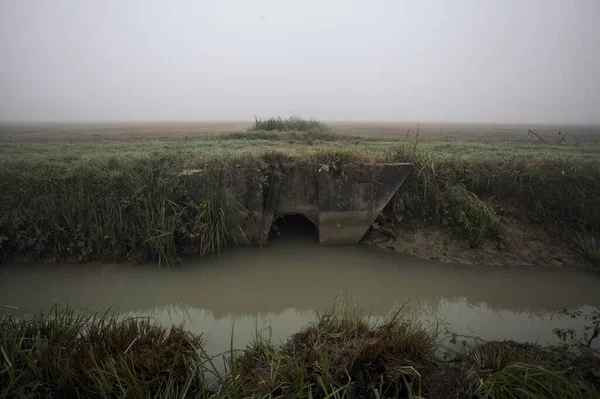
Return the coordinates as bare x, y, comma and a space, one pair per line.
525, 245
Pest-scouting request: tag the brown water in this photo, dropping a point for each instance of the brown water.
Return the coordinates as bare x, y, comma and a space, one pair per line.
282, 286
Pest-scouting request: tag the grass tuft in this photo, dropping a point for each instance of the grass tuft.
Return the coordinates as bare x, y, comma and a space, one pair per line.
588, 244
290, 124
531, 381
68, 354
341, 352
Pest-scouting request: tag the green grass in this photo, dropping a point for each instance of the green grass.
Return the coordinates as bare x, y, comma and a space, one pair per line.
126, 201
341, 355
243, 144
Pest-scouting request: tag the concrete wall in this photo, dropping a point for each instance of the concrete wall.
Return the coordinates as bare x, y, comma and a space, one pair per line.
341, 201
351, 198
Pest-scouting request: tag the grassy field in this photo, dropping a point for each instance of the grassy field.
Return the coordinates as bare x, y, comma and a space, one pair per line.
116, 200
340, 355
290, 143
192, 130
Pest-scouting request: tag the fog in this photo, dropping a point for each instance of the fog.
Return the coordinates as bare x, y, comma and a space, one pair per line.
447, 61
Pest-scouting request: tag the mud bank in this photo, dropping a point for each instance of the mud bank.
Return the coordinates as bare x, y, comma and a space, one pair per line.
524, 245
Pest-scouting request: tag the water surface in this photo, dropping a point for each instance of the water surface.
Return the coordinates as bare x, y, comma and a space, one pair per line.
245, 290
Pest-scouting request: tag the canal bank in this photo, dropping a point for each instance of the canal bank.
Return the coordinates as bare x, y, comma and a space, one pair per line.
133, 201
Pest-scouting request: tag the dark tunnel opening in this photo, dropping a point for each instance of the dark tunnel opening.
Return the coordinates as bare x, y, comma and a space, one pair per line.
294, 226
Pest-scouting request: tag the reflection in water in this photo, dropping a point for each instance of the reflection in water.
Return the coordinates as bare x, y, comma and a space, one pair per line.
282, 286
458, 317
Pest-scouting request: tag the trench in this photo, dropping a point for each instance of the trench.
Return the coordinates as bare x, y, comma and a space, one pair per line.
278, 289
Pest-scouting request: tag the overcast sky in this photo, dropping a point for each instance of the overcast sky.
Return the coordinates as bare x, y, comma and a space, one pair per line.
419, 60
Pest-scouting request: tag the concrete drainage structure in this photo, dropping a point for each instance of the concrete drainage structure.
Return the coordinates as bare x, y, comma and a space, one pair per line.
341, 201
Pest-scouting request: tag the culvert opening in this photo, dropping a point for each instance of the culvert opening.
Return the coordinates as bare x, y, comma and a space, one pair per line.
294, 226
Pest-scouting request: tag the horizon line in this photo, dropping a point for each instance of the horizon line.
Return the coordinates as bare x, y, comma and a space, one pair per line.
224, 121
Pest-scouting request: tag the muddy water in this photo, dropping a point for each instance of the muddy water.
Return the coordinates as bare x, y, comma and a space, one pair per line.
246, 290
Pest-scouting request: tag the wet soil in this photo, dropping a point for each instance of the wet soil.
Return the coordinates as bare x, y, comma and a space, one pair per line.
526, 245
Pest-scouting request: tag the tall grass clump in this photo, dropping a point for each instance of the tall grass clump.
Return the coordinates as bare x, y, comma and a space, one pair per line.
588, 244
508, 369
69, 354
531, 381
342, 354
290, 124
207, 227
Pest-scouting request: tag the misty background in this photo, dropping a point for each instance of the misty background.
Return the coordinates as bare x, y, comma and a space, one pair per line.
441, 61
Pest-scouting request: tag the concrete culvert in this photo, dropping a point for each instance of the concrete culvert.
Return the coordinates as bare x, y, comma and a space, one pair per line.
343, 201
